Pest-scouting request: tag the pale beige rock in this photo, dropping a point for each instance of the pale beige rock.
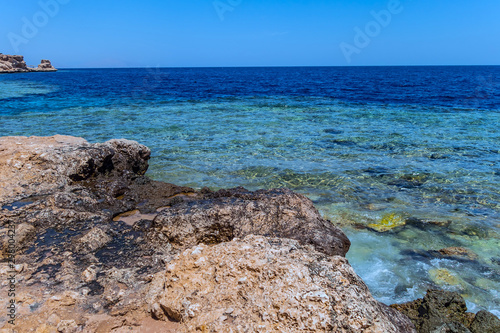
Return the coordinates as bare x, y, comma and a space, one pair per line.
67, 326
93, 240
16, 64
261, 284
41, 165
23, 231
44, 328
80, 270
90, 274
46, 66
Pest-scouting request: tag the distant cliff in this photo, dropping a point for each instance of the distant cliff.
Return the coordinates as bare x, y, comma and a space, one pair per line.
16, 64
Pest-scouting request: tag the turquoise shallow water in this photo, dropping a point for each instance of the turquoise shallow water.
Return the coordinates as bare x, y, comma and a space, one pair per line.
432, 169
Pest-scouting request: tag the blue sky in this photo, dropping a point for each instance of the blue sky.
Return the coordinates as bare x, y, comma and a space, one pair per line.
126, 33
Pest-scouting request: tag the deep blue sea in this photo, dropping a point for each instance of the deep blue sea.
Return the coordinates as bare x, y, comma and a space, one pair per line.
405, 159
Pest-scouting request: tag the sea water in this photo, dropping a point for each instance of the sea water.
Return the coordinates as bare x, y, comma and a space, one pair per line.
405, 159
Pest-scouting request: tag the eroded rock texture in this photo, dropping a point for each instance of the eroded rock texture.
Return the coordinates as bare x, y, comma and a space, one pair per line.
446, 311
260, 284
46, 66
92, 231
16, 64
226, 214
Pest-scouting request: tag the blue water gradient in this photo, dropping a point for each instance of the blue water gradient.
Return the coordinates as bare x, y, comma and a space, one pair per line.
416, 143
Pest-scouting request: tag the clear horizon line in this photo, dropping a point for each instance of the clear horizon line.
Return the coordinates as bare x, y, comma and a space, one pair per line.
274, 66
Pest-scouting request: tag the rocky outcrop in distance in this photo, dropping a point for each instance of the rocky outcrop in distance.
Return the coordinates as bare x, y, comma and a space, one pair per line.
16, 64
102, 248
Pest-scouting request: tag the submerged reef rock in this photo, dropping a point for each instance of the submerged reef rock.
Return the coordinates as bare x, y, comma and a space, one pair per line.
457, 253
261, 284
387, 222
99, 247
16, 64
447, 279
445, 311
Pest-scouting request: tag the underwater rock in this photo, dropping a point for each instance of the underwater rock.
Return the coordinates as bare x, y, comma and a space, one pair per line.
333, 131
445, 311
267, 285
425, 224
444, 278
460, 253
387, 222
475, 232
409, 181
453, 253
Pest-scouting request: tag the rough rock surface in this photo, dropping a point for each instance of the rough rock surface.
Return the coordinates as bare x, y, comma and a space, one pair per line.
446, 311
262, 284
91, 231
227, 214
46, 66
16, 64
12, 63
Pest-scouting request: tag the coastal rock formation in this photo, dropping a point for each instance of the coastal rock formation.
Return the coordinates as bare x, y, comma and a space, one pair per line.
102, 248
46, 66
446, 311
261, 284
12, 63
91, 232
16, 64
227, 214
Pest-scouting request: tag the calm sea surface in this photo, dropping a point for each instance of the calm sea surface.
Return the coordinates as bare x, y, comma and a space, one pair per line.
406, 159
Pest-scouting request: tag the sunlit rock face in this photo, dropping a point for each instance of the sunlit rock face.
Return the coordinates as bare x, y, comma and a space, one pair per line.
100, 247
261, 284
16, 64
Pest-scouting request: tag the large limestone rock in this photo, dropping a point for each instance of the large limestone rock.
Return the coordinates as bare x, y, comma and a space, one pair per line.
41, 165
237, 212
260, 284
60, 194
92, 231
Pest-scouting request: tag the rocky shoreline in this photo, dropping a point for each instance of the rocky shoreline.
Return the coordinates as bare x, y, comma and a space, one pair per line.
16, 64
99, 247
